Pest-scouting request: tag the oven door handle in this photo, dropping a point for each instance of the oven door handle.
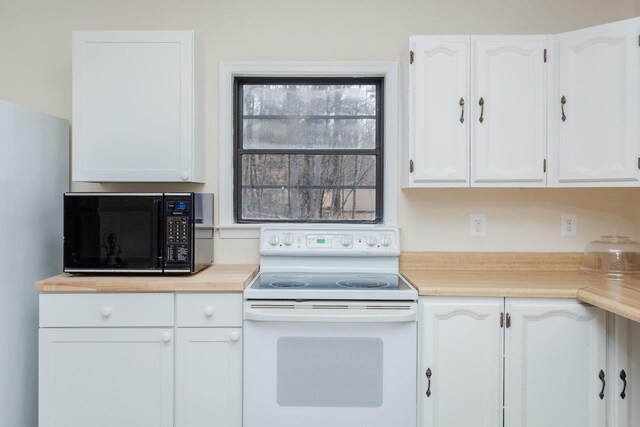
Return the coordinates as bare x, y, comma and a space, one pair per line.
280, 316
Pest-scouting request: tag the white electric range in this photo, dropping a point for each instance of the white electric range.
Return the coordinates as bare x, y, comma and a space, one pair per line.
330, 330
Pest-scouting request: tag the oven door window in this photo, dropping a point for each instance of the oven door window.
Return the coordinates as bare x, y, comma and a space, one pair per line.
330, 372
113, 232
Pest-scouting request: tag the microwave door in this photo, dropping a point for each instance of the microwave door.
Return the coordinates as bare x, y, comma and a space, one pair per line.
113, 233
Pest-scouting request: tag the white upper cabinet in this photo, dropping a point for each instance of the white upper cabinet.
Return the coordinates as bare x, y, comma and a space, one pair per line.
438, 111
593, 114
508, 144
136, 107
477, 109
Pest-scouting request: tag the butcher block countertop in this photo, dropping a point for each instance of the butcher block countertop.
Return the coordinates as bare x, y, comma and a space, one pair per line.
215, 278
528, 275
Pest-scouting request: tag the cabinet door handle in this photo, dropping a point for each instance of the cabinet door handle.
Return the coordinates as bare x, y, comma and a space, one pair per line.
428, 382
563, 101
623, 377
481, 103
462, 110
601, 376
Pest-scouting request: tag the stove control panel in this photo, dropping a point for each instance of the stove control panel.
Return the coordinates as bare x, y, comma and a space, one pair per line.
328, 241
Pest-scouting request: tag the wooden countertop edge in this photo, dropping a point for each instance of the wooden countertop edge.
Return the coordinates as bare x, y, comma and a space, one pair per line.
96, 284
522, 292
618, 298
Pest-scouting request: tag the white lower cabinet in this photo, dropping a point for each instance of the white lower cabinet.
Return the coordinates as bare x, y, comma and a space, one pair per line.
107, 360
106, 377
209, 377
633, 377
461, 362
555, 356
512, 362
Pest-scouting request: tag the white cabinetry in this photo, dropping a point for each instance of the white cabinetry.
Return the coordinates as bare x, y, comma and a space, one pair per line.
108, 360
137, 107
438, 111
593, 110
478, 98
106, 377
508, 137
461, 362
633, 377
551, 353
209, 360
555, 352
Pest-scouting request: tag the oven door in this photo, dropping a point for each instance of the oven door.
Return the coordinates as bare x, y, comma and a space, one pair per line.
319, 365
113, 232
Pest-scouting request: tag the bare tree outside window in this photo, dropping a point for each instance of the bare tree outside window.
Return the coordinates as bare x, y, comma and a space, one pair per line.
308, 149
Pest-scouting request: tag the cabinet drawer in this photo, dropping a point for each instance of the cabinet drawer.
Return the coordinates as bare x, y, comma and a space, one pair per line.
209, 310
106, 310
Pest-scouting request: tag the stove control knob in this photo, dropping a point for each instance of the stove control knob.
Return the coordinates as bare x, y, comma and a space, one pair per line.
346, 241
371, 241
288, 240
386, 241
274, 240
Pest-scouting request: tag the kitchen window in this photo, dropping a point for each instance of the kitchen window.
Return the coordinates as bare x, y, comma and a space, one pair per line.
308, 149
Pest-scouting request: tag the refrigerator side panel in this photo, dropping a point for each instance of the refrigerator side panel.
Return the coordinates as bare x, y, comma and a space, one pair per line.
34, 173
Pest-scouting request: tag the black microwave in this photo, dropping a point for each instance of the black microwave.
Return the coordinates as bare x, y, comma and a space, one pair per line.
126, 233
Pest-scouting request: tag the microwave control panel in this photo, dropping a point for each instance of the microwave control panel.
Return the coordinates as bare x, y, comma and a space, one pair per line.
178, 232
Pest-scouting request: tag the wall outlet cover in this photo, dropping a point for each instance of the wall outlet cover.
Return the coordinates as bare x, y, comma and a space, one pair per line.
478, 225
568, 225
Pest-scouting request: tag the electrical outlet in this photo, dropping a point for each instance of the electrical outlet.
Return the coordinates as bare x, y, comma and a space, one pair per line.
478, 224
568, 225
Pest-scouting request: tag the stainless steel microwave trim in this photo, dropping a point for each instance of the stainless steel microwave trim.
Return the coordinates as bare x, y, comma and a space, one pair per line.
114, 270
178, 194
114, 194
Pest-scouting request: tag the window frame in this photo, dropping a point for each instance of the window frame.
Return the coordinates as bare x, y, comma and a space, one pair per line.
238, 121
221, 179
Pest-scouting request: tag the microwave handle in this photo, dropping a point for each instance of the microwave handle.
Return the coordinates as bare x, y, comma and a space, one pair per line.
261, 316
160, 230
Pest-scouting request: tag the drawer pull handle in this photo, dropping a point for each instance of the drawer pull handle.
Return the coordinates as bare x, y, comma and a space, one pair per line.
208, 311
106, 312
461, 103
481, 103
428, 373
563, 101
623, 377
166, 337
233, 336
601, 376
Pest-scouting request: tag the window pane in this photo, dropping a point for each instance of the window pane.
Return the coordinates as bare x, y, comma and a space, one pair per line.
309, 99
308, 187
309, 133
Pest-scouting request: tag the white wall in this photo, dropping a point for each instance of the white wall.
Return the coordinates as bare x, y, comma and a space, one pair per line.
36, 71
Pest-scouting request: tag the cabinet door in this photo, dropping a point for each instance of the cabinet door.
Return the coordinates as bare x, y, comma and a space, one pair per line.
508, 144
134, 106
594, 110
106, 377
555, 350
633, 376
461, 350
438, 112
619, 370
209, 377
